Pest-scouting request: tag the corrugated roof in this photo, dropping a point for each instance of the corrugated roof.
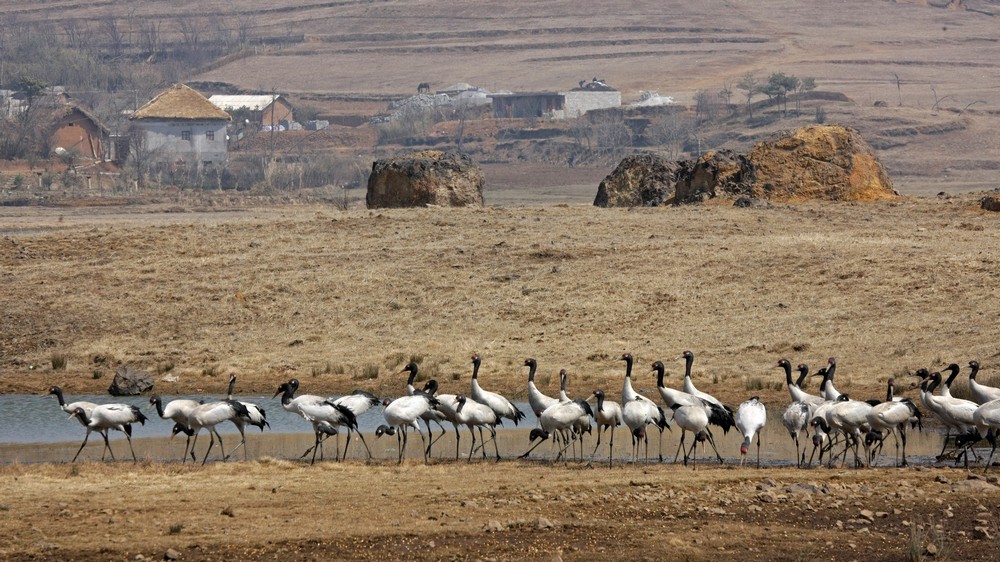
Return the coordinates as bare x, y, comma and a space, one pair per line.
180, 102
251, 102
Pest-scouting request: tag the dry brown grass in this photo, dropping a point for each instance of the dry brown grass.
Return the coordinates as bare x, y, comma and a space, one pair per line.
295, 291
267, 508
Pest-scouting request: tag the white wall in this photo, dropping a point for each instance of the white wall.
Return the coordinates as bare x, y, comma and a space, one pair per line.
164, 141
578, 103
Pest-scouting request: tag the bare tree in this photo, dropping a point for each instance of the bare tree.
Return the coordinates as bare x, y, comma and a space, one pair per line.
613, 135
899, 89
750, 87
726, 93
246, 26
149, 38
672, 132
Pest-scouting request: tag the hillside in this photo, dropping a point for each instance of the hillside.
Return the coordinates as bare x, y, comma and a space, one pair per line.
920, 77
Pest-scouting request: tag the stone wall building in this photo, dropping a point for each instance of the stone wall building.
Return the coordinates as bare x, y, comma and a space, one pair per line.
181, 127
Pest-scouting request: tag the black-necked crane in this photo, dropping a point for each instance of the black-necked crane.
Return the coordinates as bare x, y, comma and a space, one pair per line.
472, 414
315, 409
637, 415
504, 408
689, 387
608, 415
536, 399
559, 419
826, 388
795, 387
256, 416
583, 424
109, 416
891, 416
945, 388
693, 418
956, 413
750, 419
401, 414
796, 418
358, 402
717, 415
850, 418
653, 411
72, 406
429, 416
448, 407
987, 419
210, 415
980, 393
179, 411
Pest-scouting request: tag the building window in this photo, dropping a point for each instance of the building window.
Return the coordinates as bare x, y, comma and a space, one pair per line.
210, 135
186, 135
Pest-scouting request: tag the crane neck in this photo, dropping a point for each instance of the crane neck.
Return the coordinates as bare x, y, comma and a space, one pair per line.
803, 373
232, 384
531, 371
59, 395
659, 374
600, 402
688, 361
951, 377
788, 372
159, 406
888, 393
475, 368
412, 377
972, 375
628, 366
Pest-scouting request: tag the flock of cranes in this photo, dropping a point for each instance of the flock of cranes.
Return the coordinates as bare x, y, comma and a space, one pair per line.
834, 419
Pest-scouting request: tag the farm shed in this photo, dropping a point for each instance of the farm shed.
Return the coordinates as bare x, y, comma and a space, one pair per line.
557, 105
182, 126
267, 109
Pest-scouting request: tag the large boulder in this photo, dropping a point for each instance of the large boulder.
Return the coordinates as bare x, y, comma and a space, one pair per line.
819, 162
430, 177
130, 382
645, 180
716, 173
990, 202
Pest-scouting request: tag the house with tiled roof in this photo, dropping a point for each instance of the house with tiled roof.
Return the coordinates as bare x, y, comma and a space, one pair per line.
180, 126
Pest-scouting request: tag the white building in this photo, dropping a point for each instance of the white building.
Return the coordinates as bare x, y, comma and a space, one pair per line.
182, 127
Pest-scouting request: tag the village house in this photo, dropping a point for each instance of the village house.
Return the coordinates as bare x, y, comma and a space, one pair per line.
264, 110
180, 126
557, 105
77, 131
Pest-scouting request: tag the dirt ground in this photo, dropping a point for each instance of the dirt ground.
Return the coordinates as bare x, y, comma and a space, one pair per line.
275, 509
340, 299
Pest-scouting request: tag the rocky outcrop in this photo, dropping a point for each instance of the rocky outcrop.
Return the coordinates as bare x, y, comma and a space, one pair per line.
640, 180
431, 177
991, 202
828, 162
716, 173
819, 162
130, 382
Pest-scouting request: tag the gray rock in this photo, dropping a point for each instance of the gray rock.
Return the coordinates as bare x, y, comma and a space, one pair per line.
171, 554
130, 382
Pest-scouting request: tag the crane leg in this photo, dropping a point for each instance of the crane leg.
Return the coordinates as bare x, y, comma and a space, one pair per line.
598, 441
243, 442
992, 438
129, 439
758, 450
107, 446
611, 447
82, 445
211, 441
316, 445
193, 443
496, 446
458, 439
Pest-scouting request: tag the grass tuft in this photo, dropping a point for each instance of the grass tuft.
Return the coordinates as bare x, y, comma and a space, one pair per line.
210, 371
368, 372
175, 529
59, 361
